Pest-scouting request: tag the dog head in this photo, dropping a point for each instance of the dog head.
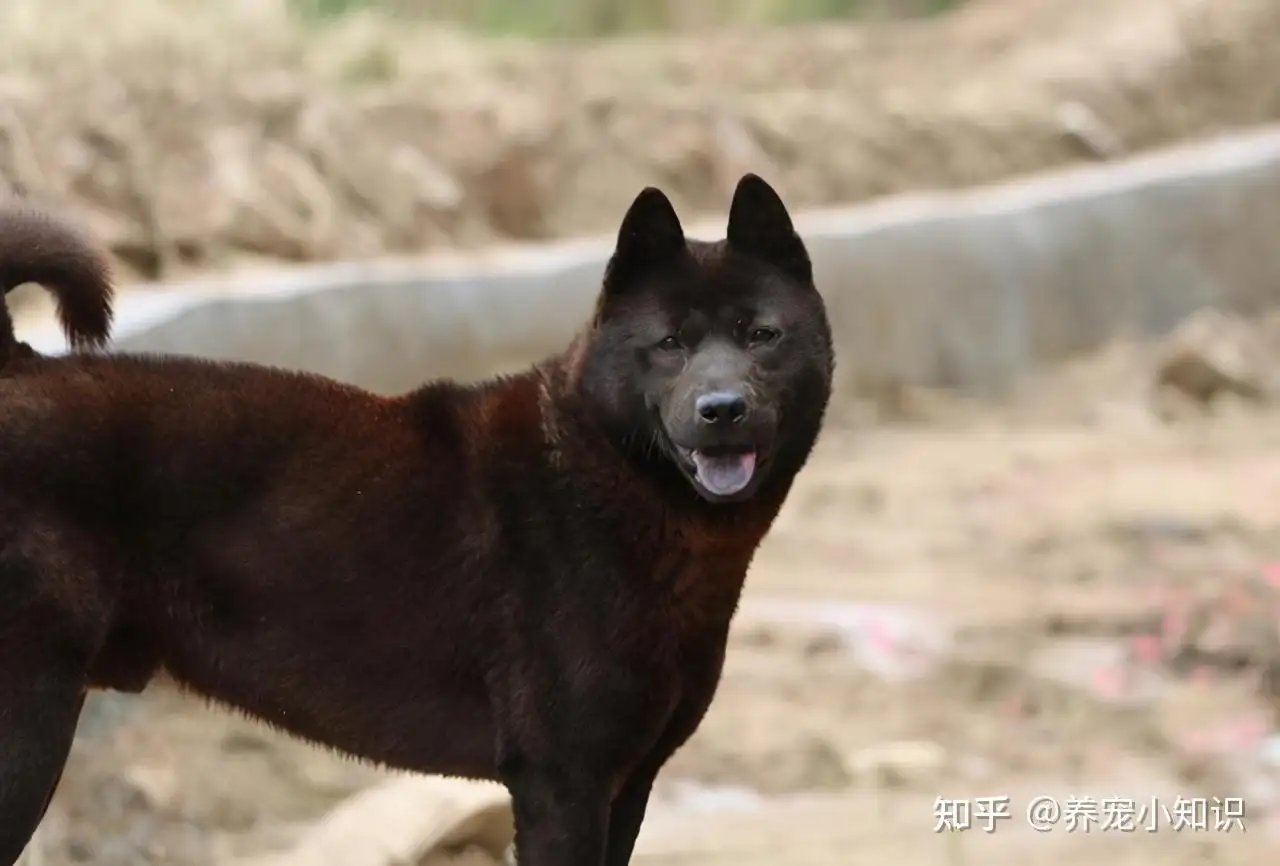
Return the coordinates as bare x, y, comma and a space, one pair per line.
712, 359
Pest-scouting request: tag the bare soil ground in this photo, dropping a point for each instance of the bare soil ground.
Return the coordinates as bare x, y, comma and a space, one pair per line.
200, 135
1059, 595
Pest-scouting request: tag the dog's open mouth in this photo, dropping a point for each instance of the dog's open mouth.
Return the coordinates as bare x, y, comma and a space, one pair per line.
723, 473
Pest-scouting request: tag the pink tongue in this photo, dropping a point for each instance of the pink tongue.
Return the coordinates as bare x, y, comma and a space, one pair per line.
724, 475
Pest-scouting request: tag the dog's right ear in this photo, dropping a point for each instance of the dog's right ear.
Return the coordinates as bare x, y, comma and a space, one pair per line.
650, 235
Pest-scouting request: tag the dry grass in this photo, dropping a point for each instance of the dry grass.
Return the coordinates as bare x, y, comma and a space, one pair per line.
614, 17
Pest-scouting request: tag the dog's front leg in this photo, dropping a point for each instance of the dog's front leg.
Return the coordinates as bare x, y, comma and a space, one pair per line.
627, 815
566, 756
561, 812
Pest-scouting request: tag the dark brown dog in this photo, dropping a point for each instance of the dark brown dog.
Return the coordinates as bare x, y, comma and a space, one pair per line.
529, 579
38, 247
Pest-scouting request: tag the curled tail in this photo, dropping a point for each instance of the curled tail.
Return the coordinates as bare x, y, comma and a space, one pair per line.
37, 246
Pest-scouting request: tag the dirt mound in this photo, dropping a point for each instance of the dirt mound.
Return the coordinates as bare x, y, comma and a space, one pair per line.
195, 135
1214, 365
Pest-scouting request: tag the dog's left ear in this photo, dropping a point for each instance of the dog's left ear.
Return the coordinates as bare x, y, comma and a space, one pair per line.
760, 226
650, 229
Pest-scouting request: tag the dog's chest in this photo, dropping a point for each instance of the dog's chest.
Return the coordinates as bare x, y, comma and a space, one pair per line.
702, 577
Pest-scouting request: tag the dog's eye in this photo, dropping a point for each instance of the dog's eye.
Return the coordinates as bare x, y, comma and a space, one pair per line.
669, 344
760, 336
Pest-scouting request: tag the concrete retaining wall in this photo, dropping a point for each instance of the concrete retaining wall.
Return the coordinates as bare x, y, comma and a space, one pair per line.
962, 290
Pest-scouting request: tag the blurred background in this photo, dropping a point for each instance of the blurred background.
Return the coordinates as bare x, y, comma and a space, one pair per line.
1038, 551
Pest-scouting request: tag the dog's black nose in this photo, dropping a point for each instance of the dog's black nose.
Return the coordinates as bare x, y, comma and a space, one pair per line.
721, 407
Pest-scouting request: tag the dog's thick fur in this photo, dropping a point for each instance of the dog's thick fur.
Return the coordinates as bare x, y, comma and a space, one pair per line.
529, 579
37, 246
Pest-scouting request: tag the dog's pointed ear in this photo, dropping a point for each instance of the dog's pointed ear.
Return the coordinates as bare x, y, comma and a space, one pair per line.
760, 226
650, 235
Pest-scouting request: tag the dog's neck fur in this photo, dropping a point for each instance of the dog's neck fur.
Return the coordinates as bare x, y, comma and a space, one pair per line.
709, 546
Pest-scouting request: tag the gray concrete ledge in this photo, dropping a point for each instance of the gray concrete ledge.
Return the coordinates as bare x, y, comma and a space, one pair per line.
965, 289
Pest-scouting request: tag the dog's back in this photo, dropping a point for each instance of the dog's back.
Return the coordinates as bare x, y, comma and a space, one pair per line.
528, 579
37, 246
